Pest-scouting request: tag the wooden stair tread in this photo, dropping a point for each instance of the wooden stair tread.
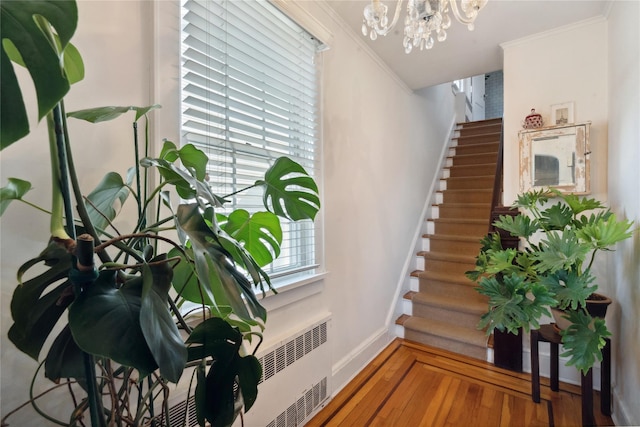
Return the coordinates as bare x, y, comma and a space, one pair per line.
462, 190
461, 221
444, 256
401, 319
496, 134
470, 166
479, 123
458, 279
447, 330
452, 237
463, 204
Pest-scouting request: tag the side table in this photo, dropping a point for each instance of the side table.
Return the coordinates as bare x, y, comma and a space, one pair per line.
547, 333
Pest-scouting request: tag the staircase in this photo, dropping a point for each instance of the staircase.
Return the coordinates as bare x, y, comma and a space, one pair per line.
445, 308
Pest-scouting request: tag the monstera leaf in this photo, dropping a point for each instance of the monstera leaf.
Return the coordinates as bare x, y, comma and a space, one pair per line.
260, 234
221, 280
38, 303
14, 190
289, 191
107, 198
103, 114
20, 29
131, 324
157, 324
216, 400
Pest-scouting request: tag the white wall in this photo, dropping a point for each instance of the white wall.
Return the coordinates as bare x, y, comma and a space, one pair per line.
379, 153
624, 198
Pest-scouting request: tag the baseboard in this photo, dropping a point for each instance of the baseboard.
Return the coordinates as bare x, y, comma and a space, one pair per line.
349, 366
620, 409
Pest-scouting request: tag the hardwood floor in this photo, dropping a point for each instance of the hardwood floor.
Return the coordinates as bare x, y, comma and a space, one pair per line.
409, 384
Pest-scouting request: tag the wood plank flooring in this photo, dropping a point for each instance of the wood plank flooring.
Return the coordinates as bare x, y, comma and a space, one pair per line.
410, 384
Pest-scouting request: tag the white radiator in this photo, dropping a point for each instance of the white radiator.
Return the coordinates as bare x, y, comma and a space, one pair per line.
296, 373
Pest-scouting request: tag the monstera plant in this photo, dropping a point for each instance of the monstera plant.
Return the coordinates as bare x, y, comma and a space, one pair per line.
176, 292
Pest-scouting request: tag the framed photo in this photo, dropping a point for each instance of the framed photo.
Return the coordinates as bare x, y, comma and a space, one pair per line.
562, 114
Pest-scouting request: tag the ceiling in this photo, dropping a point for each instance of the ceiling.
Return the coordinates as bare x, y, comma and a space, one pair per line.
467, 53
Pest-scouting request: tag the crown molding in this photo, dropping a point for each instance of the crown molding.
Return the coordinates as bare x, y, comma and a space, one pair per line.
552, 32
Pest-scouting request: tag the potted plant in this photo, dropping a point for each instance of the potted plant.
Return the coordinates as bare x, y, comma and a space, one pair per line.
562, 233
131, 328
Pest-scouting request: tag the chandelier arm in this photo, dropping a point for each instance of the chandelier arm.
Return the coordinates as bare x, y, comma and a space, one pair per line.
458, 15
394, 21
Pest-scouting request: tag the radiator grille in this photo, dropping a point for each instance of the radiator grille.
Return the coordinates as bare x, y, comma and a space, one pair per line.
288, 353
301, 409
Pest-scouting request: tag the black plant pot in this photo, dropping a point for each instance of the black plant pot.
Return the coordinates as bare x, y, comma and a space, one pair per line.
597, 305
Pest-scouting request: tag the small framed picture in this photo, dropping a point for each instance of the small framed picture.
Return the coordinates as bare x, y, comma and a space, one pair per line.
562, 114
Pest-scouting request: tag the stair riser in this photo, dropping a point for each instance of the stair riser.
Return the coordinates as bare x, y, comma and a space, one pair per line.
477, 139
447, 344
473, 212
466, 197
469, 171
460, 229
476, 148
454, 247
459, 318
474, 159
440, 266
471, 183
438, 288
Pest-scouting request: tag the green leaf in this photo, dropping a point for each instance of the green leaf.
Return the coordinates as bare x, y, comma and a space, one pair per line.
560, 251
194, 159
571, 289
105, 321
217, 403
187, 185
103, 114
18, 24
106, 200
513, 303
289, 191
249, 374
605, 233
214, 337
35, 308
519, 225
583, 340
157, 324
185, 281
65, 359
14, 190
260, 234
580, 204
215, 266
556, 217
73, 64
530, 199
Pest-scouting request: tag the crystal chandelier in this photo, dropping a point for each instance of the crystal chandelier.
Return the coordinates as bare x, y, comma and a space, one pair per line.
423, 18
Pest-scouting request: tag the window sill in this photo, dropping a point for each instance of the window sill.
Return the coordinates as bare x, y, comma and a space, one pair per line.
291, 290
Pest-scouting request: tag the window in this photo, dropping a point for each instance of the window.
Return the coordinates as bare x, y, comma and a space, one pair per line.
250, 95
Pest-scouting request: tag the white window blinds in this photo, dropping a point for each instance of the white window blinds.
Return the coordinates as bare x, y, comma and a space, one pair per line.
249, 96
